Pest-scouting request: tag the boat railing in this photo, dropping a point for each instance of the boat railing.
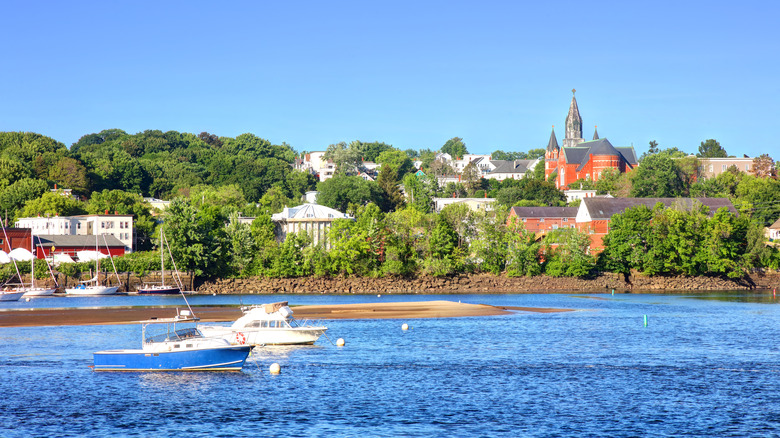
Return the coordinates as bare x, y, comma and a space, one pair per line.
178, 335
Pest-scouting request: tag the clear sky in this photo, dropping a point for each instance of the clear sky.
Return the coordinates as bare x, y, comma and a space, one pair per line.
412, 74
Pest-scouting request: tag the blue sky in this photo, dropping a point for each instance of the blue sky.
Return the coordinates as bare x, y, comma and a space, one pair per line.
412, 74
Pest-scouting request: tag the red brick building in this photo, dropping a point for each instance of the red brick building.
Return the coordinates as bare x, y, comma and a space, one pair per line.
578, 159
542, 219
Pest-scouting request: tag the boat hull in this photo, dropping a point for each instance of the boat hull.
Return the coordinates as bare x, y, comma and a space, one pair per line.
92, 290
282, 336
39, 292
227, 358
159, 290
10, 295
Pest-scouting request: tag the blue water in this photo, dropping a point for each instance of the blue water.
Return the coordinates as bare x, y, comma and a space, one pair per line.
703, 366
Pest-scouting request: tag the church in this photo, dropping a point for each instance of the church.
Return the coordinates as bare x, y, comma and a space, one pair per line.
580, 159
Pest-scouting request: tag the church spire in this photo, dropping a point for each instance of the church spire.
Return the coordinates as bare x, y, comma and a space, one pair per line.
595, 133
573, 124
552, 145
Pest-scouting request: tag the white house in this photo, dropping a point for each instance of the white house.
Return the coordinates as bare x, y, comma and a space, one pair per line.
117, 225
314, 219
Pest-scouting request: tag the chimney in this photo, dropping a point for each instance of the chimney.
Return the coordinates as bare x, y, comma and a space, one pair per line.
106, 211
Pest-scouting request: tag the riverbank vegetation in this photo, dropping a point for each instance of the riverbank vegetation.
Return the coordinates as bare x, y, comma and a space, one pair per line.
214, 180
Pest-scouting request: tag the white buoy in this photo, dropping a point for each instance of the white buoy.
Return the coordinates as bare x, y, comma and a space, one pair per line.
405, 326
275, 368
27, 299
378, 295
340, 342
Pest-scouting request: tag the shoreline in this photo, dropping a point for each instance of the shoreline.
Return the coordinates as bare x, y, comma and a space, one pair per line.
131, 315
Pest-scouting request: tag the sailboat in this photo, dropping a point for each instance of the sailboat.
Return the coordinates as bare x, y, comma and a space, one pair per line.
12, 293
162, 288
93, 286
34, 291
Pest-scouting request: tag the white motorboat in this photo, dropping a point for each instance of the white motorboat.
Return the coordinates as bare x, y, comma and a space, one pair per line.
267, 324
93, 286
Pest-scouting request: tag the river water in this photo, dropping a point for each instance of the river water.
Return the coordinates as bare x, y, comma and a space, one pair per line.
704, 365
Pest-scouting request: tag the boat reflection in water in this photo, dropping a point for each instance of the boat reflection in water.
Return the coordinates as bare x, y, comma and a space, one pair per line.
267, 324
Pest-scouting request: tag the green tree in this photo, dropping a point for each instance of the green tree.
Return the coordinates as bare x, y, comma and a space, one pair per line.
340, 191
711, 149
52, 204
197, 240
388, 183
627, 243
71, 174
657, 177
13, 197
12, 170
566, 252
455, 147
242, 249
397, 160
420, 191
522, 258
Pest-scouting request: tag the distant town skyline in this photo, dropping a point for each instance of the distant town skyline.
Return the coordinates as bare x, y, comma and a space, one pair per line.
413, 75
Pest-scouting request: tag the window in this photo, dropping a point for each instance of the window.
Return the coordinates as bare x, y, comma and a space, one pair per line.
121, 225
78, 226
541, 220
747, 167
724, 167
711, 168
566, 219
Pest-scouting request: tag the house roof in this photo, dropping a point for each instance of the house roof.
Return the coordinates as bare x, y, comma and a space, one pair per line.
78, 241
516, 166
546, 212
775, 226
605, 208
309, 211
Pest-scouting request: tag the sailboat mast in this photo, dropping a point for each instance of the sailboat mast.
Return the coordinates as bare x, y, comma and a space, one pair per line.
162, 259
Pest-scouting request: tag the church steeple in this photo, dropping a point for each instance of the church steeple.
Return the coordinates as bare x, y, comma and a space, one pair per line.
573, 124
552, 145
595, 133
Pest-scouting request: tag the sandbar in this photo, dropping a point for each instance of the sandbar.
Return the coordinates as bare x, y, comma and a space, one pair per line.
128, 315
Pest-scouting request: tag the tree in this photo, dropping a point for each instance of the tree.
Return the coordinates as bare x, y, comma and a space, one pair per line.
627, 243
397, 160
566, 252
196, 239
345, 157
471, 177
52, 204
389, 185
70, 173
420, 191
711, 149
764, 167
13, 197
241, 245
12, 170
657, 177
455, 147
340, 191
522, 258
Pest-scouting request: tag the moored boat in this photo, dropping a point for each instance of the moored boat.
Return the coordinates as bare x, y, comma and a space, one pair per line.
93, 286
174, 349
267, 324
162, 288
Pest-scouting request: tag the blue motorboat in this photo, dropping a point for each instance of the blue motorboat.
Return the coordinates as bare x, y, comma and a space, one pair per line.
176, 344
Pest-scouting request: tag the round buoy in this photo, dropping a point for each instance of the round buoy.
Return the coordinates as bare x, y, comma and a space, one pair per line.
405, 326
378, 295
27, 299
275, 368
340, 342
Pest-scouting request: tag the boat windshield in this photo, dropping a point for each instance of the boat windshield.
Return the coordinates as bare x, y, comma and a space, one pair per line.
178, 335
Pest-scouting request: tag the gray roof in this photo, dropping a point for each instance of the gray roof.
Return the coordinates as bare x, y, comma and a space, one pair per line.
545, 212
516, 166
552, 145
605, 208
85, 242
582, 152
